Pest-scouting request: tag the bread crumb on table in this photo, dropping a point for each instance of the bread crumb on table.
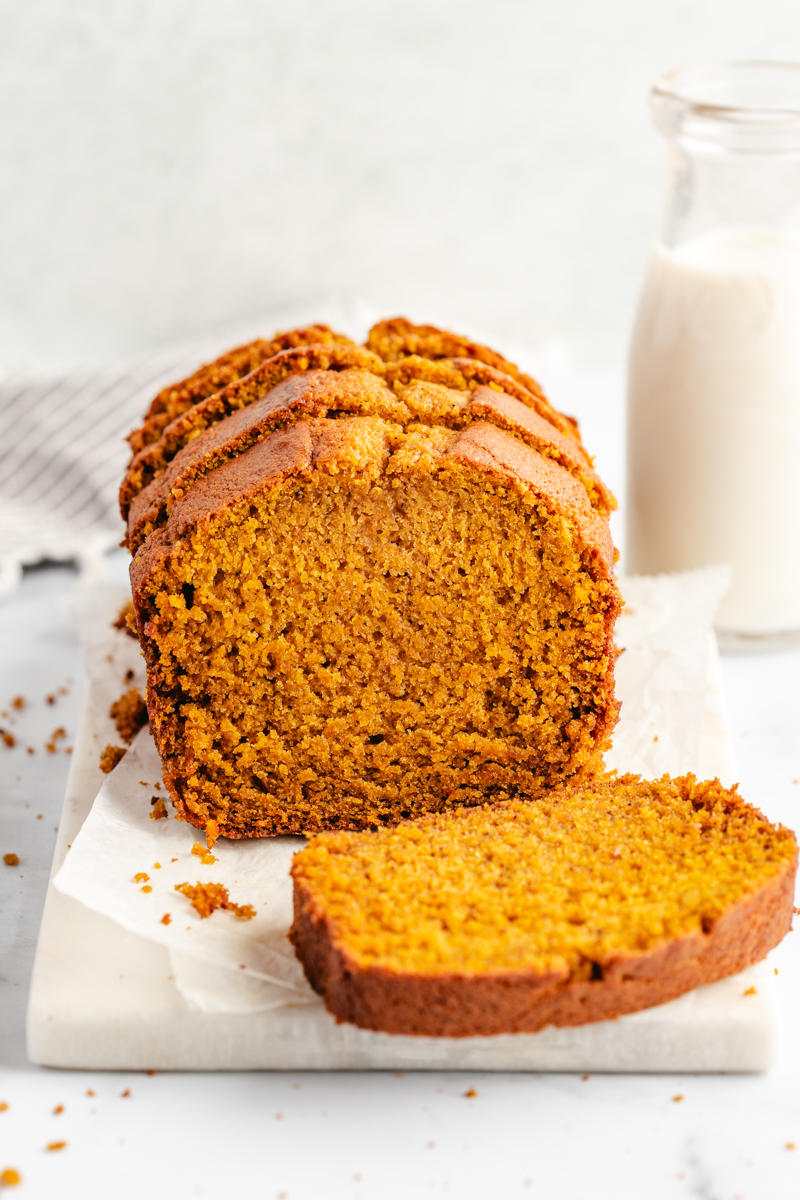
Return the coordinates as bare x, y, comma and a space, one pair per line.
158, 811
56, 1145
11, 860
9, 1177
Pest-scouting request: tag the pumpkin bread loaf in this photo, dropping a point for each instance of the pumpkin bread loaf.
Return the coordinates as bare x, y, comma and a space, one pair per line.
369, 583
600, 899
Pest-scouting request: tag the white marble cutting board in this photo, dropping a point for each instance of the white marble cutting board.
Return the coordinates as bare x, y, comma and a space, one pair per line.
103, 998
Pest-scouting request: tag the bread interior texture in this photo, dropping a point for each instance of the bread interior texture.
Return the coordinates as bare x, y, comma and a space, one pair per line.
563, 887
386, 635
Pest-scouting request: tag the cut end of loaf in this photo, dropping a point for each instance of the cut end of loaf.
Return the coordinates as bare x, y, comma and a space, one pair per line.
370, 582
351, 626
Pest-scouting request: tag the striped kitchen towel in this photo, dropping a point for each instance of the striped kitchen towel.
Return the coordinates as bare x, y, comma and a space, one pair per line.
62, 448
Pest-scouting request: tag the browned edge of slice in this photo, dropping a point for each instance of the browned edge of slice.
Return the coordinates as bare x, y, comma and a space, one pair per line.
482, 1005
397, 338
507, 412
355, 391
467, 373
174, 399
154, 458
313, 393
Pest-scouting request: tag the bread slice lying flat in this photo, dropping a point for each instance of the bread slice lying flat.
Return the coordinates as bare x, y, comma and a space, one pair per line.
597, 900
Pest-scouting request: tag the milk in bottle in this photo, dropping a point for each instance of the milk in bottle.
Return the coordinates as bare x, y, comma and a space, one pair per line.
714, 373
714, 420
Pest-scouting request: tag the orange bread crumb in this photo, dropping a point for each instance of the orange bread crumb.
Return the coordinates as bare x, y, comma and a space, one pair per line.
206, 898
110, 757
129, 714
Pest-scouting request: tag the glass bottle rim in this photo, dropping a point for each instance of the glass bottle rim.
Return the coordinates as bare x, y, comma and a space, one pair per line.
749, 106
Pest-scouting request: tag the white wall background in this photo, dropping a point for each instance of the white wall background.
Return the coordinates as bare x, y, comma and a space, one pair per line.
171, 166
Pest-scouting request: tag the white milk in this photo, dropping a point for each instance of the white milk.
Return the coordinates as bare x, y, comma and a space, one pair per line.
714, 421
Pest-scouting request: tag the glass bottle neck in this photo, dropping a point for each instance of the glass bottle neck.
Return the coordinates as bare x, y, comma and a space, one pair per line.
708, 188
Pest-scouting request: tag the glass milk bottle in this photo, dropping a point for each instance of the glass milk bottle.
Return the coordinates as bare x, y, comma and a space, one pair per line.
714, 377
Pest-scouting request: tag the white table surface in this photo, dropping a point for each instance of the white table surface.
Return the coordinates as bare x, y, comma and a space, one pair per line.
375, 1136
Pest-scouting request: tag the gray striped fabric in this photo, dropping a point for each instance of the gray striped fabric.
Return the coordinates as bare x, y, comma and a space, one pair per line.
62, 455
62, 448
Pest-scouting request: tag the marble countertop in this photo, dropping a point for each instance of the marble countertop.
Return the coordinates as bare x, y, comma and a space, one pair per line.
381, 1135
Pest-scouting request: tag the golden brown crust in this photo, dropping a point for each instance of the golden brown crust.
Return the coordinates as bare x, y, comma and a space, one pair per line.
493, 450
153, 458
312, 393
176, 398
307, 443
467, 374
398, 338
510, 414
354, 390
